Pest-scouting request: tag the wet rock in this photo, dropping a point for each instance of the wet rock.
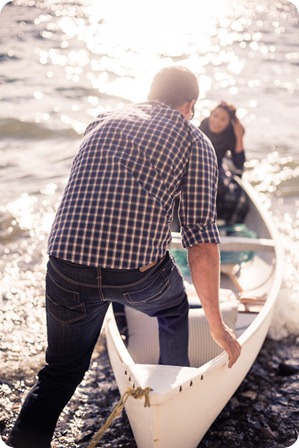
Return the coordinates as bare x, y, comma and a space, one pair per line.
85, 437
266, 433
286, 368
249, 394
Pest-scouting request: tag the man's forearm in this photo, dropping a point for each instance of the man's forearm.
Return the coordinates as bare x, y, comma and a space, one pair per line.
204, 262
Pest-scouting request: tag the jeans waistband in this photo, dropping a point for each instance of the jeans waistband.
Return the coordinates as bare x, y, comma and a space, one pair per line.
141, 269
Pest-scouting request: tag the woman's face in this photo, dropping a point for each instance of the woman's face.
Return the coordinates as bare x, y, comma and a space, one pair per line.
219, 120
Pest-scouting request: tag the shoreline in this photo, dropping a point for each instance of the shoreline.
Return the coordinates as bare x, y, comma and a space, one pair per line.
263, 412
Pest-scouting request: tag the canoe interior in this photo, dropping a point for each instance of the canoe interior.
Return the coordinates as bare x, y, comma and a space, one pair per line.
250, 281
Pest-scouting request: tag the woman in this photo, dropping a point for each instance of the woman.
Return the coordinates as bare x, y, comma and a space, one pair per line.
226, 133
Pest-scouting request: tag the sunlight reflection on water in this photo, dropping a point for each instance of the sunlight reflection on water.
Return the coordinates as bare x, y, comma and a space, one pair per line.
86, 59
134, 43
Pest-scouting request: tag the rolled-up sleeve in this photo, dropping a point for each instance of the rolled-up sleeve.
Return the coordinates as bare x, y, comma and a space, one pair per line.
198, 196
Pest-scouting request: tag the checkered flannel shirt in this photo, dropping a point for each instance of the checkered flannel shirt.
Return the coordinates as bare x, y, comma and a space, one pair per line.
117, 206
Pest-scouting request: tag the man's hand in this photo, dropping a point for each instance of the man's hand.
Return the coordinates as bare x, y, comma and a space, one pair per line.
204, 266
227, 340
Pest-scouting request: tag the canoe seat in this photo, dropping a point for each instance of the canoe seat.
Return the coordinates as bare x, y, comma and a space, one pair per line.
143, 339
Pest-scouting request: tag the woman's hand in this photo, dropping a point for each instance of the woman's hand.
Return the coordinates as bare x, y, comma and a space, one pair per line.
239, 133
238, 128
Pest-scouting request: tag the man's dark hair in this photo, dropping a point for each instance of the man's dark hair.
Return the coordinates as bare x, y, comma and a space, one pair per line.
174, 86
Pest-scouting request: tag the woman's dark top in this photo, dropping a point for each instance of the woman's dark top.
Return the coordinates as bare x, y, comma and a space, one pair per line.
223, 142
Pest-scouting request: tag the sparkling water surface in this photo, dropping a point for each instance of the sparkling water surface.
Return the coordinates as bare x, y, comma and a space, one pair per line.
63, 62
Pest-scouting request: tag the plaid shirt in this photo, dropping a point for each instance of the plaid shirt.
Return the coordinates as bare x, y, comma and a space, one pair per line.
117, 207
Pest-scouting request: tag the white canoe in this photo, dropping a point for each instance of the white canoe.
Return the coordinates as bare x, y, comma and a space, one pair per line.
185, 401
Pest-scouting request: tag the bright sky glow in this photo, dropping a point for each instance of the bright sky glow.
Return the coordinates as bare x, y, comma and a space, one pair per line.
141, 34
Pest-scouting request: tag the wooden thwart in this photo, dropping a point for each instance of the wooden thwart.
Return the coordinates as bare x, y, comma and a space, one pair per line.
234, 243
239, 244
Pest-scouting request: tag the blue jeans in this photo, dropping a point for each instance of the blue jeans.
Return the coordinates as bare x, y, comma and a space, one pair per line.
77, 298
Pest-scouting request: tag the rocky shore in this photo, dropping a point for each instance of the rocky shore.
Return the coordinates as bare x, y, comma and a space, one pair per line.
263, 413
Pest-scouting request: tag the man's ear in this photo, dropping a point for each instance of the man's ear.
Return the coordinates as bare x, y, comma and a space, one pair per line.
186, 109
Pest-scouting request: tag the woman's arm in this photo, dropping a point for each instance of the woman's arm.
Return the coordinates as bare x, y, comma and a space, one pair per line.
238, 155
239, 133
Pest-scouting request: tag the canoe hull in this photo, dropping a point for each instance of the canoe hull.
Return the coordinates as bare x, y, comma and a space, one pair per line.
184, 401
182, 413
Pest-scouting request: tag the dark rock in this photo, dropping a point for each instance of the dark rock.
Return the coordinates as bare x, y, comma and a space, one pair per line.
266, 433
286, 368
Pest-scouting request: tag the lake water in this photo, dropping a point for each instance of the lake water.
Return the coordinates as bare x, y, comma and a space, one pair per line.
64, 61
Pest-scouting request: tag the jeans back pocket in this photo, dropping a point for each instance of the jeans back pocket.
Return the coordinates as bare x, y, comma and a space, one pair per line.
63, 305
151, 290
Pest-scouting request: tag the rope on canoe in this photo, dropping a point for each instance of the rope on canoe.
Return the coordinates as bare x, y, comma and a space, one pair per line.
137, 393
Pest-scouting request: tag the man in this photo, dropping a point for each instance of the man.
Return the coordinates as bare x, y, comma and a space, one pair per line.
110, 239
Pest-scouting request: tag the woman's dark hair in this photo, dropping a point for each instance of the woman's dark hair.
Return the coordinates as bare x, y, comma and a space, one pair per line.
174, 86
230, 109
